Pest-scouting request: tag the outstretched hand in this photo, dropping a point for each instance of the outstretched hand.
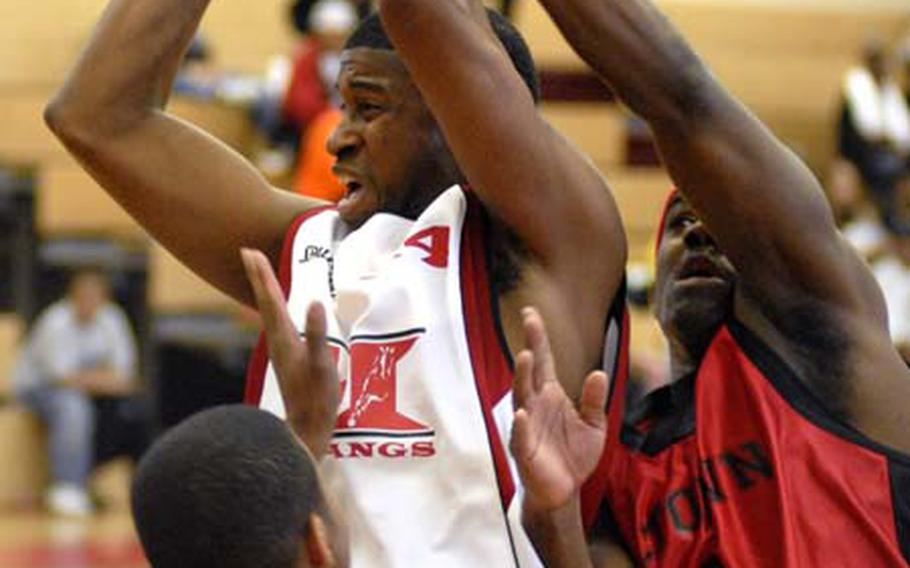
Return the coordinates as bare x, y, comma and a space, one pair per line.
306, 371
555, 445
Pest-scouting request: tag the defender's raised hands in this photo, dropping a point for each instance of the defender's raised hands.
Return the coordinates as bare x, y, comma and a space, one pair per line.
555, 445
306, 371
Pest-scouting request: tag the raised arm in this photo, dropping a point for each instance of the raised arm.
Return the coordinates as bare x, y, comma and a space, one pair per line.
556, 447
530, 177
199, 198
759, 200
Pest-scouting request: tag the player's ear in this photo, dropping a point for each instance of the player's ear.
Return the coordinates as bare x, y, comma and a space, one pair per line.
317, 550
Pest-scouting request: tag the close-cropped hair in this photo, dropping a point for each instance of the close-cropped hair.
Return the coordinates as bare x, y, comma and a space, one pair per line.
371, 34
230, 487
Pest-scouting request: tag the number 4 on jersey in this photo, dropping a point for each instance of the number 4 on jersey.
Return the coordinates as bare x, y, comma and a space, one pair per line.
435, 242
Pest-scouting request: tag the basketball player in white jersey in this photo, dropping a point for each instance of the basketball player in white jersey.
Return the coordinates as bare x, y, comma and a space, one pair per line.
555, 445
425, 279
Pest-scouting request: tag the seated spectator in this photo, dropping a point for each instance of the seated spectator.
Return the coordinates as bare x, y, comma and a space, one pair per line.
80, 347
874, 129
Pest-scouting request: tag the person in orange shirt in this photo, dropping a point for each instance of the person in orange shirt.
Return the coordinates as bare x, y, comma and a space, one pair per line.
314, 177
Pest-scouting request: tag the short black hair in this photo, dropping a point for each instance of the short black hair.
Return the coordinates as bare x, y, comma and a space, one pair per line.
228, 487
370, 33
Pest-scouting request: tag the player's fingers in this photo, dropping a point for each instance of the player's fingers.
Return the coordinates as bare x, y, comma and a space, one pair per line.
521, 444
523, 386
319, 355
316, 327
537, 341
592, 406
270, 301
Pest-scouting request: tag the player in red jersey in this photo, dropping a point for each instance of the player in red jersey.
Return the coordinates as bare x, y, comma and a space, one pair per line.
783, 439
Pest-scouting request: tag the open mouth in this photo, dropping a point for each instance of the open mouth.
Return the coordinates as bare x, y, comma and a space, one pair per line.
352, 187
700, 267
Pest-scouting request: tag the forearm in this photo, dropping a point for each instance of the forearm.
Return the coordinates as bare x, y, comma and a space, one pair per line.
100, 381
633, 47
126, 70
557, 535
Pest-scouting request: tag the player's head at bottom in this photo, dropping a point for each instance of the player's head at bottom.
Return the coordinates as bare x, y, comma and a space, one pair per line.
233, 487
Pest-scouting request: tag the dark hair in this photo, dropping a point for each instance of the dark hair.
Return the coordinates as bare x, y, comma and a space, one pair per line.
229, 487
370, 33
300, 15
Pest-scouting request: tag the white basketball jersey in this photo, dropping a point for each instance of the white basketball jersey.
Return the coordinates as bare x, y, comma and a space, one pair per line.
419, 455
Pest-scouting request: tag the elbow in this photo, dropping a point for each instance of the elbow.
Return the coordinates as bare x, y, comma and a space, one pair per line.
67, 123
81, 128
55, 116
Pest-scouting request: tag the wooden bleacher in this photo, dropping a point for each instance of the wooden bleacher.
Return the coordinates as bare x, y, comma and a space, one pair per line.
597, 129
68, 201
173, 288
11, 329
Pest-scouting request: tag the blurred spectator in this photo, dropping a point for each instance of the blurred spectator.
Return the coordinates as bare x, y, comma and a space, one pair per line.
80, 347
875, 125
331, 22
893, 275
904, 64
314, 175
856, 216
198, 76
316, 62
307, 89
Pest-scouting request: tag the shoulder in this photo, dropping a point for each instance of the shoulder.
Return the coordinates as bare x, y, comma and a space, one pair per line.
112, 315
56, 316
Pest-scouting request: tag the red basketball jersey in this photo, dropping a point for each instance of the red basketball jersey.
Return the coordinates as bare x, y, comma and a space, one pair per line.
740, 465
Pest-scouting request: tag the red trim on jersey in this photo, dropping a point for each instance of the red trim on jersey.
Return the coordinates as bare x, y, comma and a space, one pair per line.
595, 487
255, 374
616, 404
662, 223
492, 373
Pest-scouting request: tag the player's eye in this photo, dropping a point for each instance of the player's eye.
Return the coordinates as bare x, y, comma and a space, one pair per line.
369, 110
682, 221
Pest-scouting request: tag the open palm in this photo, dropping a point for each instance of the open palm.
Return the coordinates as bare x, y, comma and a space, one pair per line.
556, 445
306, 372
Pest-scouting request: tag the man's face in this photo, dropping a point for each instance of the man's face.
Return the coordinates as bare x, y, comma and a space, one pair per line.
390, 154
694, 283
88, 292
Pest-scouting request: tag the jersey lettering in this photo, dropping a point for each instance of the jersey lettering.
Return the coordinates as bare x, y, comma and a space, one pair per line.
435, 242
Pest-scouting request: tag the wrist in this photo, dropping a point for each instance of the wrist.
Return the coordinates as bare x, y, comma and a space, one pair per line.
537, 512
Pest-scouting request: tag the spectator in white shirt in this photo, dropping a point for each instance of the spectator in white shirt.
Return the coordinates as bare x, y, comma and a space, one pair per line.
875, 125
893, 275
80, 346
